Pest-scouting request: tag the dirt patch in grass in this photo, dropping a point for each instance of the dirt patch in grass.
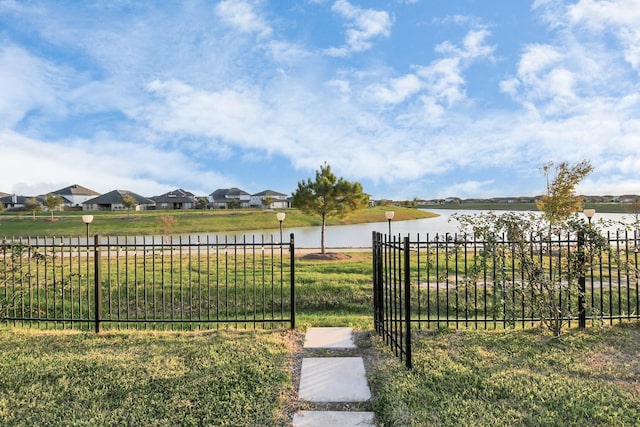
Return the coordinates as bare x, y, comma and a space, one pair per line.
329, 256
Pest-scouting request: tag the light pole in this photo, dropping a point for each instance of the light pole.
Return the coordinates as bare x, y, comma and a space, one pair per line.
589, 213
389, 216
281, 216
582, 314
87, 219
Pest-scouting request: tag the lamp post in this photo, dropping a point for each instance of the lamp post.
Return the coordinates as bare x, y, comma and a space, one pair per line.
87, 219
589, 213
389, 216
582, 314
281, 216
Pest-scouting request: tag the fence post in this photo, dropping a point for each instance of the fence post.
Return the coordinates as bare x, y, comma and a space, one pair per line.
376, 279
293, 280
407, 301
97, 279
582, 314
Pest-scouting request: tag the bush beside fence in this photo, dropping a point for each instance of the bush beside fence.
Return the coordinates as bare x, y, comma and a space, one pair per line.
450, 281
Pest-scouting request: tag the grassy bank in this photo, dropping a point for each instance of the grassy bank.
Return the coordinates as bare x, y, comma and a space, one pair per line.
187, 222
599, 207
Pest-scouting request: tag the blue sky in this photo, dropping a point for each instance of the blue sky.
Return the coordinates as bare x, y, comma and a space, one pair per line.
412, 98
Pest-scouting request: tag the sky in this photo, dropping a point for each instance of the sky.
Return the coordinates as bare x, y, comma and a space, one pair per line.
412, 98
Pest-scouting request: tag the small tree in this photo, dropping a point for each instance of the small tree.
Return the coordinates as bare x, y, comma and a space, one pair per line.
517, 239
328, 196
167, 224
2, 207
52, 201
202, 203
33, 206
267, 201
633, 209
560, 202
234, 204
129, 203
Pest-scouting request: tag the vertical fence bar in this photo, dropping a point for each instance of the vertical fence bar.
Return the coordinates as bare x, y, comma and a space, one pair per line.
582, 314
97, 279
292, 279
407, 302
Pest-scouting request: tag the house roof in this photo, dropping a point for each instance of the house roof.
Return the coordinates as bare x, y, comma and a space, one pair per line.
8, 199
75, 190
225, 192
175, 196
4, 194
116, 196
268, 193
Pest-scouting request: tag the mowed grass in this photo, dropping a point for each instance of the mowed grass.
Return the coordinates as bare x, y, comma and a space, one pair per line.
514, 378
220, 378
69, 224
245, 378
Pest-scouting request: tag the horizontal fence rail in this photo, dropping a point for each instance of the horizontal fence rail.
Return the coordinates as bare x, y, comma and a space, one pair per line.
147, 283
450, 281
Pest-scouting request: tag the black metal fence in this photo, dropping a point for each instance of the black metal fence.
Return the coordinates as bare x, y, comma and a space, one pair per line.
147, 283
450, 281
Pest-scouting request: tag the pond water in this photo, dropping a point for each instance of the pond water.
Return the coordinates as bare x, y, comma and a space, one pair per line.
360, 235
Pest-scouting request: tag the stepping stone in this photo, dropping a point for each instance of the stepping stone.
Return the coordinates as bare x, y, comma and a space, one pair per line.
329, 338
333, 379
333, 418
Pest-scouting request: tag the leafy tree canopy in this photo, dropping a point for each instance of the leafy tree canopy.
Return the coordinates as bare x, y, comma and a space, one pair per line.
560, 201
328, 196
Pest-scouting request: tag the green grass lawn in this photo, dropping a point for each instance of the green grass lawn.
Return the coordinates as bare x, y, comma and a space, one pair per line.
514, 377
144, 379
244, 378
69, 224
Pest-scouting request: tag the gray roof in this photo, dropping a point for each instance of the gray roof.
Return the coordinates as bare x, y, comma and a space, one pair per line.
175, 196
76, 190
221, 193
8, 199
116, 196
269, 193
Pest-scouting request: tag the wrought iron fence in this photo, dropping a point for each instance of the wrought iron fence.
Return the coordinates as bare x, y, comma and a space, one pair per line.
147, 283
455, 281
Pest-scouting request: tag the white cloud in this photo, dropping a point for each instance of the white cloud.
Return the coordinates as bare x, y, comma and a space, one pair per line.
26, 83
536, 59
442, 79
242, 16
397, 90
38, 166
363, 25
619, 17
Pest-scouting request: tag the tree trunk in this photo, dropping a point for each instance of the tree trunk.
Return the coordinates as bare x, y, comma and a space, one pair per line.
322, 235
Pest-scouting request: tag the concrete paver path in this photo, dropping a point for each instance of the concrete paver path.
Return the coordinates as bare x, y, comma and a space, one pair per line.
333, 379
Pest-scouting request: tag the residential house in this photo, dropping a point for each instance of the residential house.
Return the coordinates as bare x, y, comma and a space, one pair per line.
175, 200
113, 201
229, 198
75, 195
270, 199
13, 201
